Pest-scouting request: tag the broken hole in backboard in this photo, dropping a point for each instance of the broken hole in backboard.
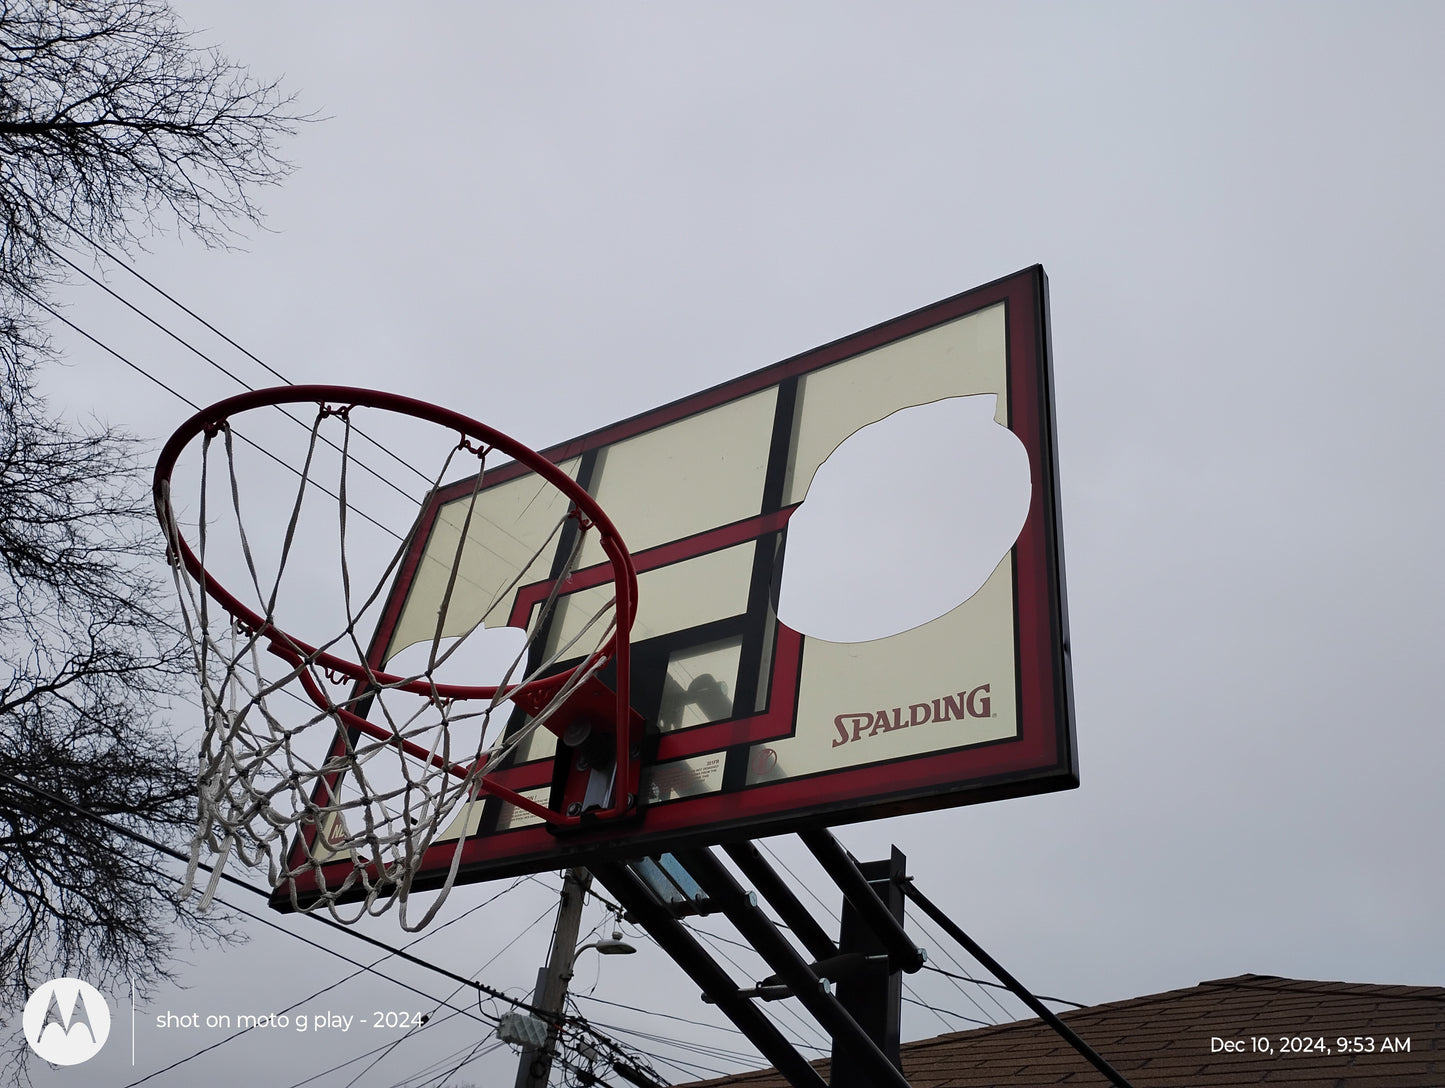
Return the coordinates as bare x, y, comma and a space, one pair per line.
904, 521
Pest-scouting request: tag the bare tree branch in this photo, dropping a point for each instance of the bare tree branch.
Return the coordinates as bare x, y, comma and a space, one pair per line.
87, 658
114, 123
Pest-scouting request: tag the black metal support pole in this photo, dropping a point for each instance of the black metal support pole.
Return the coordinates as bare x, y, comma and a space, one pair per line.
755, 927
873, 993
972, 947
903, 954
789, 907
678, 943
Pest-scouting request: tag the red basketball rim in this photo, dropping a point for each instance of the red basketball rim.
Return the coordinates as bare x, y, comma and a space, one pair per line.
286, 644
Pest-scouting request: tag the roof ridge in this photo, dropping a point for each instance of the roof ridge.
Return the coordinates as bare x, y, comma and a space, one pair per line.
1237, 982
1030, 1022
1142, 999
1395, 991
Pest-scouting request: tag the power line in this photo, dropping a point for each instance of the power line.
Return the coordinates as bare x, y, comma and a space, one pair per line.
682, 1044
954, 978
692, 1069
956, 1015
287, 1009
383, 1051
134, 366
128, 267
236, 377
362, 969
427, 1071
995, 968
633, 1073
359, 432
146, 840
366, 1054
662, 1015
474, 1052
160, 847
808, 1024
187, 400
799, 882
1000, 986
268, 453
481, 516
414, 1031
906, 985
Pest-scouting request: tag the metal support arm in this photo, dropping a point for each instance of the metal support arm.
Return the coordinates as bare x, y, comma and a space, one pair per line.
754, 925
781, 898
703, 970
972, 947
902, 952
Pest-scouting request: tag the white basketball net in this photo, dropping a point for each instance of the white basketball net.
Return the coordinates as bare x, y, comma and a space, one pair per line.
283, 782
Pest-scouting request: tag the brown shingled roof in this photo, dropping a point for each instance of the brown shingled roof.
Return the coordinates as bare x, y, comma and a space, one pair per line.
1165, 1041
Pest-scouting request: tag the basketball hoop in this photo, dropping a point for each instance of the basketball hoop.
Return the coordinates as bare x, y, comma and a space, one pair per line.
407, 752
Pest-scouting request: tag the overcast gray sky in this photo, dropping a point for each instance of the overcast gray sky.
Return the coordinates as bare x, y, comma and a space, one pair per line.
553, 216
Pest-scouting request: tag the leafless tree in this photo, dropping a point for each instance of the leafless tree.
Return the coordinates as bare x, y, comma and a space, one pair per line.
88, 658
113, 124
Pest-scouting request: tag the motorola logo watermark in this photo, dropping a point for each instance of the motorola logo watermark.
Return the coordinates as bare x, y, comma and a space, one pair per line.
66, 1021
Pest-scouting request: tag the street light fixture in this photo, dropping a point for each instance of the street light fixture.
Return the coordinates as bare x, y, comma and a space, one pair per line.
612, 946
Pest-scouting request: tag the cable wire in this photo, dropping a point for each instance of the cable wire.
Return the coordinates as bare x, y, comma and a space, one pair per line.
689, 1069
146, 840
416, 1030
954, 978
1001, 986
187, 400
359, 432
355, 974
940, 1013
238, 379
696, 1048
160, 847
359, 1057
663, 1015
807, 1024
128, 267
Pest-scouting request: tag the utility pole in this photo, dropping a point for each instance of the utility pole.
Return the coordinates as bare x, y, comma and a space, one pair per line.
535, 1066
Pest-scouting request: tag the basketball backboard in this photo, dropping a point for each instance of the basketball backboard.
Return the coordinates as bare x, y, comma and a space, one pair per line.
752, 728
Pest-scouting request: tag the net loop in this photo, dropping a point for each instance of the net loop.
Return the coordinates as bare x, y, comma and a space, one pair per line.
480, 449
